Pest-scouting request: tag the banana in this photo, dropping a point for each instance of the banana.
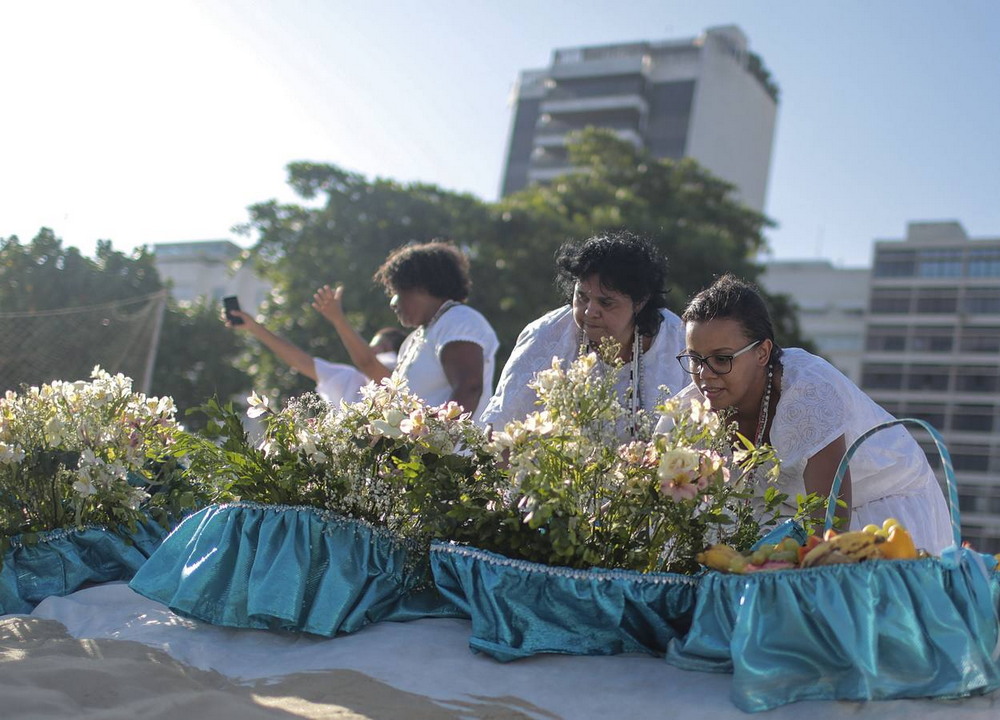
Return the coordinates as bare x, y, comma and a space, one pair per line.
843, 548
724, 558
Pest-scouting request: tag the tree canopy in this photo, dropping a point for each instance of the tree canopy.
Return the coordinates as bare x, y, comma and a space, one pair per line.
353, 223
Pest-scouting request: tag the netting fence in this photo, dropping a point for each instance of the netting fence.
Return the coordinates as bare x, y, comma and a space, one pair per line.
66, 344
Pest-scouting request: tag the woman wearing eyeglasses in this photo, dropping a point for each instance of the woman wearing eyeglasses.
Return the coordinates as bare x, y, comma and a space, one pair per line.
809, 412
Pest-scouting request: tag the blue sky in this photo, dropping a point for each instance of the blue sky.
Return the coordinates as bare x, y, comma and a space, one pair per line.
162, 121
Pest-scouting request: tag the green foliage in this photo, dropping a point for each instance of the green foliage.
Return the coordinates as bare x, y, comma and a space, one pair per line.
388, 460
43, 275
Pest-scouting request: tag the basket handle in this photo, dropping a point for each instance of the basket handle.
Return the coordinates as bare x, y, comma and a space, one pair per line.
949, 472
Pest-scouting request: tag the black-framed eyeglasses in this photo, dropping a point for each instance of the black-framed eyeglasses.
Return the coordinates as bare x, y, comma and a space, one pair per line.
719, 364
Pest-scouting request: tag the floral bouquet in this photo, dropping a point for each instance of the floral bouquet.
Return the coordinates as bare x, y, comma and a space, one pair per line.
75, 454
323, 524
388, 459
580, 498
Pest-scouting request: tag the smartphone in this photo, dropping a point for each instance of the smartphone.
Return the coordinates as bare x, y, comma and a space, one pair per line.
232, 303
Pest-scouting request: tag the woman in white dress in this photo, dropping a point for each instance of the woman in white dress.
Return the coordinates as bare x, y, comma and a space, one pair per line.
615, 285
809, 412
450, 355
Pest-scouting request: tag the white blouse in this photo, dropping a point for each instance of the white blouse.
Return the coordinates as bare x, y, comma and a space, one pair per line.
556, 334
890, 475
420, 355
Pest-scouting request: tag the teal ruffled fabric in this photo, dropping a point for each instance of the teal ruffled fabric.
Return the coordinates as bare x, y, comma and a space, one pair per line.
868, 631
62, 561
246, 565
520, 608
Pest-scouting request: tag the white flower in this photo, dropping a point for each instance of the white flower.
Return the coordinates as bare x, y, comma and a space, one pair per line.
258, 405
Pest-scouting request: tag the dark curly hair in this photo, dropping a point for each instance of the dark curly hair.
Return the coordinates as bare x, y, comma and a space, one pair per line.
623, 262
735, 299
438, 267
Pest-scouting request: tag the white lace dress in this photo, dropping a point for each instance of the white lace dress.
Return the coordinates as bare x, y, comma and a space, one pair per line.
555, 334
890, 475
420, 355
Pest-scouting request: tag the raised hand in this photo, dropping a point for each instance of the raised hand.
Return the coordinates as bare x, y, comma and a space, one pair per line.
328, 303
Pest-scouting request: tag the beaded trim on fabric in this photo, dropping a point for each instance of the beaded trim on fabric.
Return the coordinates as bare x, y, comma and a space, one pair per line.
571, 573
46, 536
327, 516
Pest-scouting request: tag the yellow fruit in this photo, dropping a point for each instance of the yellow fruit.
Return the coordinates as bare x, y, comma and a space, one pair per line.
889, 523
871, 529
724, 558
899, 546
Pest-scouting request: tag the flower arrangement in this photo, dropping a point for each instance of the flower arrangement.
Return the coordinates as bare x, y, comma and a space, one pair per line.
74, 454
387, 459
578, 497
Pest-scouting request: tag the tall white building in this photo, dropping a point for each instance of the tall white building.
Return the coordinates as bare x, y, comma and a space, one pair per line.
831, 304
210, 269
708, 98
932, 351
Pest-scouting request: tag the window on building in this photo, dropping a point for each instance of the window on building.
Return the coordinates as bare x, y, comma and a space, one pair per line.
895, 263
970, 458
939, 263
891, 301
976, 379
937, 300
933, 378
931, 339
982, 301
984, 262
882, 377
973, 418
886, 339
967, 503
979, 340
928, 412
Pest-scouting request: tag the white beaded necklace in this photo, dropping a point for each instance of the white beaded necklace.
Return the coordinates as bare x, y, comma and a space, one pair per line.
765, 406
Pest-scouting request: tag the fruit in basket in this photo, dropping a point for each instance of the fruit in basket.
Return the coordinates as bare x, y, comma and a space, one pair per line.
724, 558
837, 548
899, 545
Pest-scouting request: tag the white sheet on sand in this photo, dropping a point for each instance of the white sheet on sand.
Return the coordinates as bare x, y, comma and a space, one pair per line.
431, 658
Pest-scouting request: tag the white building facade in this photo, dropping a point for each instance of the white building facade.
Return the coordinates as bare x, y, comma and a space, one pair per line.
209, 269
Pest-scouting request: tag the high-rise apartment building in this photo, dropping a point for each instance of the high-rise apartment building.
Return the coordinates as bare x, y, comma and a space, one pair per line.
708, 98
932, 351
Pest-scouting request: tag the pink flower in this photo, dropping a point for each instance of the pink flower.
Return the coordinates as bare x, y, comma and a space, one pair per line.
681, 486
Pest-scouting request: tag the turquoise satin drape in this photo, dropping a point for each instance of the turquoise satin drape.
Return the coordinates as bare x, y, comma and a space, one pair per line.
867, 631
59, 562
520, 608
248, 565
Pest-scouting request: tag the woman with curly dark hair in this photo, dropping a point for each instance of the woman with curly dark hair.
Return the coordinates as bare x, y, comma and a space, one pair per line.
615, 285
451, 353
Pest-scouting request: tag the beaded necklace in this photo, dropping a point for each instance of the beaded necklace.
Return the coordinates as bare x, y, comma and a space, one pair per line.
765, 406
